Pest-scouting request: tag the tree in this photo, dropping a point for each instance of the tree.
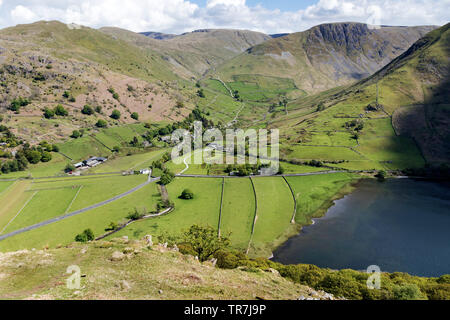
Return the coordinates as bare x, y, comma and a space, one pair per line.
115, 114
75, 134
87, 235
46, 156
98, 109
101, 123
69, 168
49, 113
187, 194
136, 215
112, 226
88, 110
135, 116
61, 111
167, 178
381, 175
33, 156
204, 241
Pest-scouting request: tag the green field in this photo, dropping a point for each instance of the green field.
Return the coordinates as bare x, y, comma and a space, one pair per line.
314, 193
274, 213
47, 198
132, 162
238, 211
27, 203
43, 205
202, 210
4, 185
63, 232
323, 153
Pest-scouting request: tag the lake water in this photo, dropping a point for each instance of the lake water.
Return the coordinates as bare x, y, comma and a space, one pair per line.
400, 225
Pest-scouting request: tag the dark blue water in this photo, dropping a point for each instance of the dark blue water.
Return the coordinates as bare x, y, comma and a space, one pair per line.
400, 225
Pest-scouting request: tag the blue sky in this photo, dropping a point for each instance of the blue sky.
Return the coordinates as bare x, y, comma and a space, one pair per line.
268, 16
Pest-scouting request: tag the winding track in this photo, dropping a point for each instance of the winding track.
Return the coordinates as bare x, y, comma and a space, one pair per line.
71, 214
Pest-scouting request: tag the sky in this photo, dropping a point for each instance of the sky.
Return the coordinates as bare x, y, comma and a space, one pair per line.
268, 16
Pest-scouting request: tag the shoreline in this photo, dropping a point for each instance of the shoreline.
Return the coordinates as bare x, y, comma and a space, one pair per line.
297, 228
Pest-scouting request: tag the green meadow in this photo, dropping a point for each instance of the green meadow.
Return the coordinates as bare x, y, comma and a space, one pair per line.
274, 213
238, 211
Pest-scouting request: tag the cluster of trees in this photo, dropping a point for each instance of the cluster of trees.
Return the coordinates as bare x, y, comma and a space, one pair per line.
59, 110
195, 115
355, 124
18, 103
89, 110
243, 170
27, 155
8, 137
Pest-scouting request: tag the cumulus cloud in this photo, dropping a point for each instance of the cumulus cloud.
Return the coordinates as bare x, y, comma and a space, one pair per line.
176, 16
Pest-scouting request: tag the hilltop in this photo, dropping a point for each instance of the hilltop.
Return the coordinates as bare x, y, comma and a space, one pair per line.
194, 53
325, 56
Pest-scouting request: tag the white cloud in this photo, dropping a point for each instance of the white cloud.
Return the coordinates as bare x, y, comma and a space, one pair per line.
21, 14
182, 15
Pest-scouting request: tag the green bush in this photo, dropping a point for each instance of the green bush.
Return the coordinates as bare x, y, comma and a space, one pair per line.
75, 134
187, 194
61, 111
87, 110
115, 114
135, 116
408, 291
101, 123
49, 113
136, 215
87, 235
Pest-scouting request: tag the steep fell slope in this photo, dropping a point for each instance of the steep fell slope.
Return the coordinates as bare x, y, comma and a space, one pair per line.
325, 56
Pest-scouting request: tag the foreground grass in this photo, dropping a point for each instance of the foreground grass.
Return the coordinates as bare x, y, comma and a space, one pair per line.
146, 274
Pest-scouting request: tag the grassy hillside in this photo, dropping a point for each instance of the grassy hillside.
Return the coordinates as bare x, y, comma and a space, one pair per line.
145, 273
51, 63
194, 53
409, 126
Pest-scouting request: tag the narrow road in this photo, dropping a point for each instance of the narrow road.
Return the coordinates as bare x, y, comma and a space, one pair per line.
277, 175
100, 204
